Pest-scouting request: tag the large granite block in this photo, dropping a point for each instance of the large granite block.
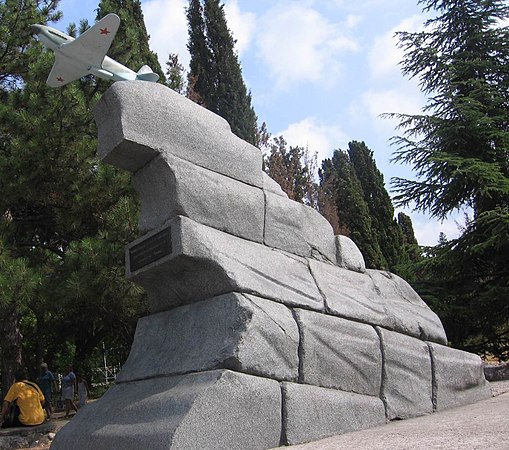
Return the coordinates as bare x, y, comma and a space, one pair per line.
137, 120
349, 294
459, 377
168, 187
208, 410
348, 254
318, 233
298, 229
234, 331
312, 413
407, 386
283, 225
201, 262
340, 354
377, 298
408, 313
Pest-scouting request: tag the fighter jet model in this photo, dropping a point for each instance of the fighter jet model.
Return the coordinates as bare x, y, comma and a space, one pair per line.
75, 58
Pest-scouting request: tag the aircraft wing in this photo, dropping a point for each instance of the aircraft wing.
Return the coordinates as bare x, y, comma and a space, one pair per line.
91, 47
64, 71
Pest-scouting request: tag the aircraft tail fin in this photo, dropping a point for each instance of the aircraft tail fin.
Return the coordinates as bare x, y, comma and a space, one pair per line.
146, 74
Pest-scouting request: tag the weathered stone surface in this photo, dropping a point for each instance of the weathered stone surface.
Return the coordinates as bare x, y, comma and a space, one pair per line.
348, 255
349, 294
233, 331
377, 298
138, 120
269, 185
318, 233
406, 311
169, 186
284, 224
459, 377
338, 353
205, 262
311, 413
407, 377
496, 372
209, 410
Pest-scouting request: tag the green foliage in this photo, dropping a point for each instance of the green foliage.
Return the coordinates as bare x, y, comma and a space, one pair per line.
215, 77
64, 218
175, 74
364, 207
16, 36
459, 149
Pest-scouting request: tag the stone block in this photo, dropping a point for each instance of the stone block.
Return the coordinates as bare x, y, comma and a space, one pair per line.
234, 331
208, 410
407, 312
269, 185
169, 186
407, 386
137, 120
349, 294
377, 298
200, 262
284, 224
338, 353
311, 413
496, 372
459, 377
318, 233
348, 255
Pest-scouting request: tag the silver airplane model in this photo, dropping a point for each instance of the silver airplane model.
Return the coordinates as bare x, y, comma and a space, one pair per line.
76, 58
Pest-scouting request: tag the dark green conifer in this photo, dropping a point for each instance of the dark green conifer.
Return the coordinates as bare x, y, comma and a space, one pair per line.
215, 76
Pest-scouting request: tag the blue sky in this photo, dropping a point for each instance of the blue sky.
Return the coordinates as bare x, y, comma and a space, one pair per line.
320, 71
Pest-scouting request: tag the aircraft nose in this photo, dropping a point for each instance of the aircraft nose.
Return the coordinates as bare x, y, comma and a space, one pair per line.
36, 29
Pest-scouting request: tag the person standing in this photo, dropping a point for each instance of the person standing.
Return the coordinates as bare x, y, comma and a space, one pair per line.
68, 383
48, 385
82, 390
29, 399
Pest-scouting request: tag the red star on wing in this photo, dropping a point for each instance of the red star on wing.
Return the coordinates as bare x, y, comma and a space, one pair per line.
105, 31
60, 79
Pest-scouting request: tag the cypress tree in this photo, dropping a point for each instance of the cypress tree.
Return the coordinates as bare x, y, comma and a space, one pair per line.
215, 76
352, 207
386, 230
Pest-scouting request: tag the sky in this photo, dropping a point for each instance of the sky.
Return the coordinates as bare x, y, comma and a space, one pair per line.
320, 72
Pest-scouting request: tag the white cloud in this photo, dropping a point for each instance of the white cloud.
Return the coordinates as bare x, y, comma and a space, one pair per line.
318, 137
299, 44
241, 25
405, 99
385, 55
167, 26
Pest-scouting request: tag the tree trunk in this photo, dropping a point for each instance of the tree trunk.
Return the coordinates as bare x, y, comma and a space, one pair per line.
11, 348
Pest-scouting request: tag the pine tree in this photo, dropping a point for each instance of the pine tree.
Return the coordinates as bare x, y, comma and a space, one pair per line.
215, 76
461, 151
459, 148
66, 216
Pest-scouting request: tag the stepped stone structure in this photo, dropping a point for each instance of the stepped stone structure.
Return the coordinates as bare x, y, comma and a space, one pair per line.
265, 328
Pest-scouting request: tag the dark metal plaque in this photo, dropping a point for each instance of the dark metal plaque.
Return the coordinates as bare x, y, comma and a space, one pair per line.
150, 250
